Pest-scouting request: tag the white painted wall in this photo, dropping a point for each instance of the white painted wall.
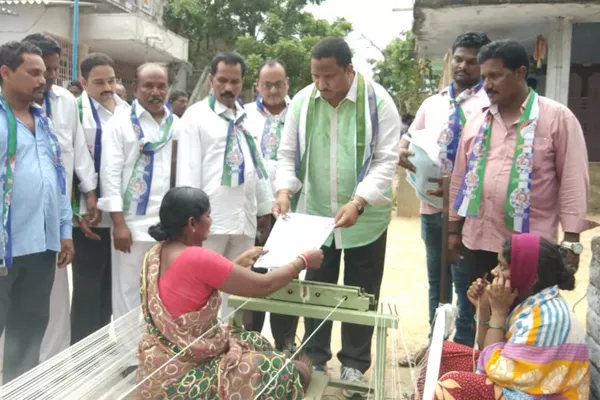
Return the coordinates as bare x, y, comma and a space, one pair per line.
34, 19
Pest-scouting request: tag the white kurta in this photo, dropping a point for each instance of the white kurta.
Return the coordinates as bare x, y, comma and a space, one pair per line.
120, 150
76, 159
200, 154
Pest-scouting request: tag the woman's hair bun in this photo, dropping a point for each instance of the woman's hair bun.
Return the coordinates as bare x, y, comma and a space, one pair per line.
158, 232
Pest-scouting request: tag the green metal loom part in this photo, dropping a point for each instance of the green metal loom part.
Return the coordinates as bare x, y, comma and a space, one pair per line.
316, 300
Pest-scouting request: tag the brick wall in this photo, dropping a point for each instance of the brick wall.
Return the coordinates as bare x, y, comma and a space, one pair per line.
593, 318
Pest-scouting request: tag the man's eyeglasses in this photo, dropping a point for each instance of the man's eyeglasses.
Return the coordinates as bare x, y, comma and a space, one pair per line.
271, 85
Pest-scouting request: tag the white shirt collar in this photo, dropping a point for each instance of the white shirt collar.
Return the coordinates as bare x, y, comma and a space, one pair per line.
140, 111
53, 93
97, 105
351, 95
221, 108
287, 101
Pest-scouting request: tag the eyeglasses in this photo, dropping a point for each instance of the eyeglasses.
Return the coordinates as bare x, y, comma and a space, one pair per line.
270, 85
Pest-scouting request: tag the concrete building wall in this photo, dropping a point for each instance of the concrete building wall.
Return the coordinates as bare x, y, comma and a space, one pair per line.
593, 318
34, 19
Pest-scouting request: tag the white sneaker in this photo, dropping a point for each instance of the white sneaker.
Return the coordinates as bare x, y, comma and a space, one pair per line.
352, 375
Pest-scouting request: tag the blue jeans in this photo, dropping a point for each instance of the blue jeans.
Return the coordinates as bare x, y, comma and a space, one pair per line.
431, 233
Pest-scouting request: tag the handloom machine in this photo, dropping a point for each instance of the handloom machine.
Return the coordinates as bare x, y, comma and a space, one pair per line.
93, 368
325, 301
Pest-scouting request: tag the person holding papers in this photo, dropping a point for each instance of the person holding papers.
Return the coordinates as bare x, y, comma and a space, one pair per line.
342, 132
181, 300
442, 117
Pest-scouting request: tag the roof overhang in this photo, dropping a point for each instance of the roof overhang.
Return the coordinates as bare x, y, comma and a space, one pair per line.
131, 38
438, 22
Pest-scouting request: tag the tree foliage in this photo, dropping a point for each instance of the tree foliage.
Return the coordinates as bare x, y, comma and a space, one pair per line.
408, 79
257, 29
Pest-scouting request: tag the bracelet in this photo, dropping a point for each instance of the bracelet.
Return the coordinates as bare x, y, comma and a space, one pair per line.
487, 323
297, 268
494, 326
304, 260
293, 270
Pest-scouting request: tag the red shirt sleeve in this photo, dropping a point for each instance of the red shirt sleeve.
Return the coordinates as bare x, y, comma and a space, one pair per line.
191, 279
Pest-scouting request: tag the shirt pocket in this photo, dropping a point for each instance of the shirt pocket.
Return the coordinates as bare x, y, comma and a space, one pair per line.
543, 153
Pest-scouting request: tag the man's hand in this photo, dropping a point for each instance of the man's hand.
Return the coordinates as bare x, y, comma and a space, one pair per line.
94, 213
439, 192
454, 243
404, 162
66, 253
122, 237
346, 216
84, 225
282, 203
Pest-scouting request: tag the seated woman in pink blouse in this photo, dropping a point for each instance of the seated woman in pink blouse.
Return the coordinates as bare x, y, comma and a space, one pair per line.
186, 353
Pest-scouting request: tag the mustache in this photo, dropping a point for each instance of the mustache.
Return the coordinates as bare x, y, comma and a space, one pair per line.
156, 99
227, 94
490, 91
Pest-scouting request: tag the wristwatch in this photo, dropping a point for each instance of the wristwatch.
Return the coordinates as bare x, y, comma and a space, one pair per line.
359, 206
575, 247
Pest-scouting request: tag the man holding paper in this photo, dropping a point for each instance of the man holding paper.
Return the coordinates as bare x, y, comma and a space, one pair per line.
337, 158
439, 123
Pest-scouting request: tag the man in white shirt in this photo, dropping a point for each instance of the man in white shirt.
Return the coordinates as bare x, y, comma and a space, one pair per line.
61, 107
134, 179
235, 180
91, 304
266, 116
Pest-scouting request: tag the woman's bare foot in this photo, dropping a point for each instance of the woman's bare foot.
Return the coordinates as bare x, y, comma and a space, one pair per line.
303, 364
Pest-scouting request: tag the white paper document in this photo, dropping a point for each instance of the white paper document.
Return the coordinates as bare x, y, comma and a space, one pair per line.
292, 235
426, 160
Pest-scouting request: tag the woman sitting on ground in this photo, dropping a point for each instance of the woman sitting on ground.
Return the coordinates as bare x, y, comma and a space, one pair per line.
180, 300
532, 344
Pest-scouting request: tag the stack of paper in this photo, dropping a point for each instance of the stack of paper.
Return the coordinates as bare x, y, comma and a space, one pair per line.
426, 151
292, 235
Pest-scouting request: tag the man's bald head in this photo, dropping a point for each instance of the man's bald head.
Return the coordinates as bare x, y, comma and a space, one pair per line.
152, 87
121, 91
151, 68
